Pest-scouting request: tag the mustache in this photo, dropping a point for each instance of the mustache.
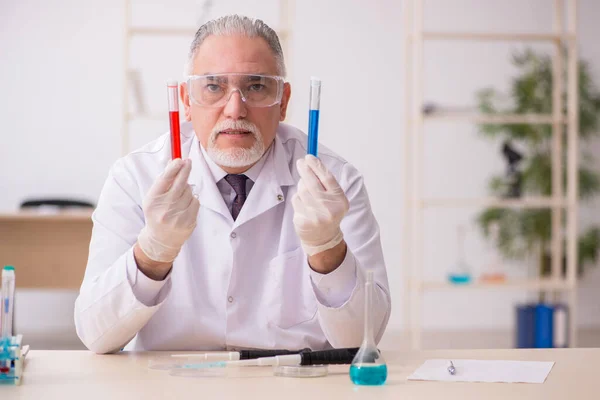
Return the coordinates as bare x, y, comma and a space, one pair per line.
240, 125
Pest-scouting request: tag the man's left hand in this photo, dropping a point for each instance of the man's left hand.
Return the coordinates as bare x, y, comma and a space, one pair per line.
319, 207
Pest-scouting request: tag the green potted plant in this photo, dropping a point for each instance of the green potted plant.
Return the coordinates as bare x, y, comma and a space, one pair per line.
522, 232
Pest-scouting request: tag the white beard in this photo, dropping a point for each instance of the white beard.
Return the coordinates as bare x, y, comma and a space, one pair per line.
237, 157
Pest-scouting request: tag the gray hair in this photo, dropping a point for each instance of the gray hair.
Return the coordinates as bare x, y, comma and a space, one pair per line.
237, 25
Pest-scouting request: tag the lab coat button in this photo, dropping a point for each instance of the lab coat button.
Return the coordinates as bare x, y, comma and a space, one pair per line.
279, 197
233, 235
230, 299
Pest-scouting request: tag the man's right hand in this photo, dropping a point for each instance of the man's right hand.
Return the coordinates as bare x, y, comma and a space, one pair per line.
170, 210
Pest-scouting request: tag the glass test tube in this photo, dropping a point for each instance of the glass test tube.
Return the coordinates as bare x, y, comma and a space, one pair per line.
313, 116
172, 88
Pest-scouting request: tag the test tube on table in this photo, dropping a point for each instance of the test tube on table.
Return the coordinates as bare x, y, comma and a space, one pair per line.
172, 92
8, 296
313, 115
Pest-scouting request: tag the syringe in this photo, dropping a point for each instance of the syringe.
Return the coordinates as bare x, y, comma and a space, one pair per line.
237, 355
172, 88
322, 357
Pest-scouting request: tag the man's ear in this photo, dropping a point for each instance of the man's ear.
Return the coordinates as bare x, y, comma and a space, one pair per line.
185, 100
287, 93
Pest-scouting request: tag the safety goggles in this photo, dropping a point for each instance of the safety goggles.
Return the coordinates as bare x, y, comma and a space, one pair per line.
255, 90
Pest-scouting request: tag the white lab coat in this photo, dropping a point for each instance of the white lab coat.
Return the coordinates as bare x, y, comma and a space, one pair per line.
235, 284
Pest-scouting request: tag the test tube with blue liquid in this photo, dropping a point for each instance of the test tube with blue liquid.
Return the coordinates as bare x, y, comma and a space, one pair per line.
313, 115
368, 367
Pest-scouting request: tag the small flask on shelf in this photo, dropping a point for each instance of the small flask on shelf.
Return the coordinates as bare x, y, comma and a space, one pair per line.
460, 273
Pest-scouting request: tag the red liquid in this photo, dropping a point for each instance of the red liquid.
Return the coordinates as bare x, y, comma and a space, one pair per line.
175, 136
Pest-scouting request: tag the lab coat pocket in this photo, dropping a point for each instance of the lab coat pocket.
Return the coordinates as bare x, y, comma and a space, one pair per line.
292, 300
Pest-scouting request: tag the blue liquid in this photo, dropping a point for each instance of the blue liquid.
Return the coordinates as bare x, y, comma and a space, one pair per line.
365, 374
459, 278
313, 132
214, 364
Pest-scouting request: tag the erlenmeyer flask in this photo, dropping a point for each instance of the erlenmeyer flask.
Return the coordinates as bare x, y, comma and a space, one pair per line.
460, 273
368, 366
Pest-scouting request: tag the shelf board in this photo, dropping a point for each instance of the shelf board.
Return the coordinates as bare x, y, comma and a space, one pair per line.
151, 116
50, 216
511, 284
540, 119
146, 31
491, 36
530, 202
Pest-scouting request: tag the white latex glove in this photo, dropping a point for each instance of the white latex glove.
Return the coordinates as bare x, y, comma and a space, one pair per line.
170, 210
319, 206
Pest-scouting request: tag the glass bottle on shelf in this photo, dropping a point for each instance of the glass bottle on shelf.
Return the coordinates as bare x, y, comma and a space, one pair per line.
493, 272
460, 273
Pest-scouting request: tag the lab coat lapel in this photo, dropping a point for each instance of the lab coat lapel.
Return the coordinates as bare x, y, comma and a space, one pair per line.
267, 190
205, 185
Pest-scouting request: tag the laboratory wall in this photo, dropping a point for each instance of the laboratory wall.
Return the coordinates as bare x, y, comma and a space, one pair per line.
61, 103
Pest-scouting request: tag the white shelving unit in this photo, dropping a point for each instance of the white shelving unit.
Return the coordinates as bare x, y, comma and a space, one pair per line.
130, 32
559, 202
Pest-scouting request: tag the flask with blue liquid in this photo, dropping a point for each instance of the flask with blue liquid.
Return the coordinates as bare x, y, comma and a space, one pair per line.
368, 366
460, 274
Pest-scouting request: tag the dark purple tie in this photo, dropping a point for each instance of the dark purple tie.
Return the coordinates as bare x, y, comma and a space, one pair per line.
238, 183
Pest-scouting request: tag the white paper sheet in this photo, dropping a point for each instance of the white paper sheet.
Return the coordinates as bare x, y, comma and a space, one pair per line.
483, 371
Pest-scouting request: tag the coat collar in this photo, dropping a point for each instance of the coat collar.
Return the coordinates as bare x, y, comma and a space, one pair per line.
265, 194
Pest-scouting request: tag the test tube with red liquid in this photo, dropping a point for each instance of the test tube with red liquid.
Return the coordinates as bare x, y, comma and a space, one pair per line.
173, 93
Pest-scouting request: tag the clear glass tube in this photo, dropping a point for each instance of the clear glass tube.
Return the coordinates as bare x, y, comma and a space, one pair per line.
315, 93
368, 366
172, 87
313, 116
493, 271
8, 297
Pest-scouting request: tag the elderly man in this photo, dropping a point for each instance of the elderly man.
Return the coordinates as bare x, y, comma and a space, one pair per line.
246, 242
